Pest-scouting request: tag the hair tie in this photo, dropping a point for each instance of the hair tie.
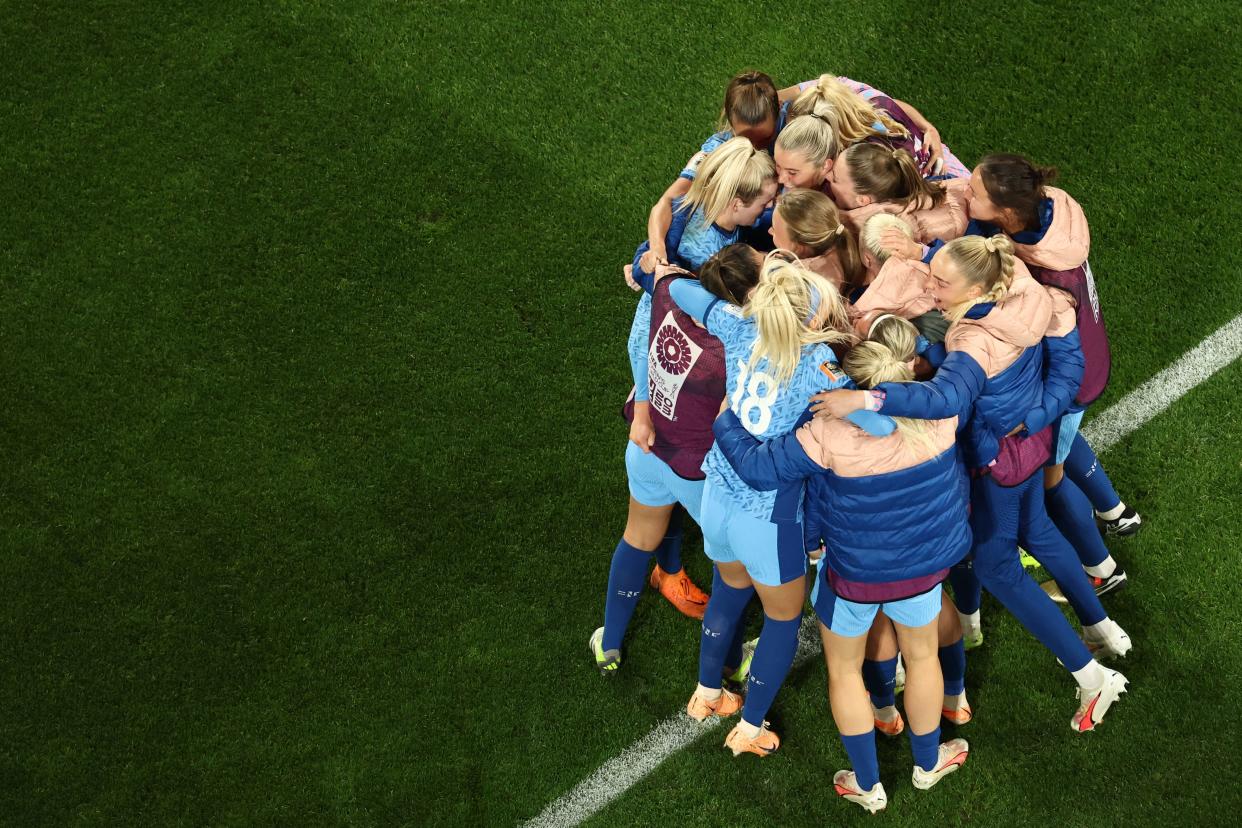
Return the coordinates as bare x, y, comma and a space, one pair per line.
876, 321
989, 245
840, 229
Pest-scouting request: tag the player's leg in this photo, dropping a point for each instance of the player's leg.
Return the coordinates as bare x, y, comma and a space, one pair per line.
994, 517
626, 575
1071, 512
1040, 536
967, 598
952, 655
915, 620
879, 672
843, 628
1084, 468
731, 592
775, 558
669, 576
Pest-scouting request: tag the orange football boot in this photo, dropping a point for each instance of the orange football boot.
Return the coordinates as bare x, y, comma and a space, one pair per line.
726, 704
680, 592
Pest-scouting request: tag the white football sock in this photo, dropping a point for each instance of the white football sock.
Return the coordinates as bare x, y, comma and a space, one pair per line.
749, 730
1090, 677
1113, 513
1104, 569
709, 693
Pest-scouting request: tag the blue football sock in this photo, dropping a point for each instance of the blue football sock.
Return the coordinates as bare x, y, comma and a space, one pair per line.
668, 554
861, 750
778, 641
1071, 512
733, 659
881, 680
967, 591
1083, 467
953, 666
625, 583
720, 620
926, 748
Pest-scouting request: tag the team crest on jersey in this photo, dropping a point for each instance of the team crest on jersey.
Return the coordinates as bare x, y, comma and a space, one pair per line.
1095, 297
669, 361
827, 368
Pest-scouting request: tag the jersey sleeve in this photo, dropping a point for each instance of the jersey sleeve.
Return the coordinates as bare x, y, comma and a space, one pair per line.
692, 166
639, 343
952, 392
721, 318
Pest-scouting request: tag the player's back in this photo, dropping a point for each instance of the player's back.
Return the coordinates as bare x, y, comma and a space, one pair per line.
767, 409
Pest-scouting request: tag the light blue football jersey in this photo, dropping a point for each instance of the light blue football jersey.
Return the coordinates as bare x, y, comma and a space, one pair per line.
692, 241
767, 409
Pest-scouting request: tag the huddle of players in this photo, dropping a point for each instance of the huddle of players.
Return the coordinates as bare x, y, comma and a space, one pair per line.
888, 399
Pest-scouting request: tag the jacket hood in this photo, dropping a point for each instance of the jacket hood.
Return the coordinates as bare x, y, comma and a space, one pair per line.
1067, 241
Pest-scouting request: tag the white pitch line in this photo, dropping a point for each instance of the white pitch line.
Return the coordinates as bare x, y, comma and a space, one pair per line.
1165, 388
618, 775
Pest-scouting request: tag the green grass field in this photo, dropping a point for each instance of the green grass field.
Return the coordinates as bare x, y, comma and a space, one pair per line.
312, 349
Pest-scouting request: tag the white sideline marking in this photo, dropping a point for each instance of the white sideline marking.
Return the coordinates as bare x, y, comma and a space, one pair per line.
618, 775
1165, 388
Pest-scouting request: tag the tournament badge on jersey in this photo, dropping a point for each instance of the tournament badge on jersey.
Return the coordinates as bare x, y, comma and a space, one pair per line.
669, 361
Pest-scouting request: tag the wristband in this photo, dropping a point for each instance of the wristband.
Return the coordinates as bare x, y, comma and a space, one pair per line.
874, 400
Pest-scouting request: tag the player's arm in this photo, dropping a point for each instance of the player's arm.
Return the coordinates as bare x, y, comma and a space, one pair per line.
951, 392
931, 138
659, 220
638, 345
1063, 365
763, 465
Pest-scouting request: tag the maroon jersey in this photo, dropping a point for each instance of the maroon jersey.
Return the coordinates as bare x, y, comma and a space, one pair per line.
1092, 335
913, 144
685, 385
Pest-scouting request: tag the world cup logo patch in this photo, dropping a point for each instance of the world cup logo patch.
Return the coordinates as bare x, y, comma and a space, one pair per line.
670, 359
673, 350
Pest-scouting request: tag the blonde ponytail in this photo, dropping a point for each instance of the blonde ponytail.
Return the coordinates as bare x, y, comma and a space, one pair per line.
786, 302
986, 262
885, 357
852, 116
735, 169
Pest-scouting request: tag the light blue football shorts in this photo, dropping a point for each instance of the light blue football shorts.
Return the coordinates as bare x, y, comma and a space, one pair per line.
653, 483
849, 619
1066, 430
772, 552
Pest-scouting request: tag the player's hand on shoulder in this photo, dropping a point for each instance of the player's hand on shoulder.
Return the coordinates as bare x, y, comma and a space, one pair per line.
839, 403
